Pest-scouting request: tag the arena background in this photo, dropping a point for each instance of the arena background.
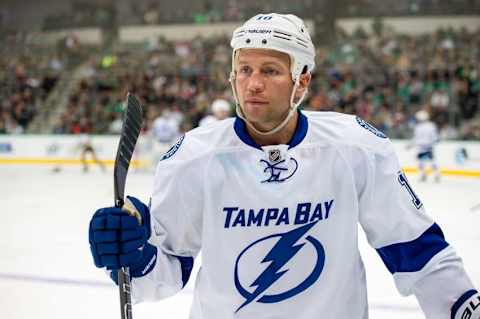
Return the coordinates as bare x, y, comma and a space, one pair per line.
65, 69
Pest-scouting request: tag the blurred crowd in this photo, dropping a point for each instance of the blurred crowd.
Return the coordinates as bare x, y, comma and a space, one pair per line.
29, 71
385, 78
82, 14
208, 11
181, 78
27, 75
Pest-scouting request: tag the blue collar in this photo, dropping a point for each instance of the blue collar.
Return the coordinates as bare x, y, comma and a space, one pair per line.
240, 128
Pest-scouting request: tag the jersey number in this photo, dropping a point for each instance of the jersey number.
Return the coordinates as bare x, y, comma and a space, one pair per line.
402, 179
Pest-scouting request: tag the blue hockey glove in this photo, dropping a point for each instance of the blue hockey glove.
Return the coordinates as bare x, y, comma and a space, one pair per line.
118, 239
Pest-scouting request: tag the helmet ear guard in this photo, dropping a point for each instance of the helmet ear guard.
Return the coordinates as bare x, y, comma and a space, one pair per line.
279, 32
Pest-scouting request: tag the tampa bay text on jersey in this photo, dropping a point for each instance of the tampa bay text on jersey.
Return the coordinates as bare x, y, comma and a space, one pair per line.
304, 213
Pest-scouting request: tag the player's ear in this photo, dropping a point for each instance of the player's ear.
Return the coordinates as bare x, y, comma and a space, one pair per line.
303, 84
305, 79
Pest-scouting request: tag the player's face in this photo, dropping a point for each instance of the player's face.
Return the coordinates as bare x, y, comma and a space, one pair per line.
264, 86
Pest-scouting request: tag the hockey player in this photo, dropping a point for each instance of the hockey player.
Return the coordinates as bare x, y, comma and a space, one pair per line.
165, 128
86, 147
220, 111
425, 136
273, 197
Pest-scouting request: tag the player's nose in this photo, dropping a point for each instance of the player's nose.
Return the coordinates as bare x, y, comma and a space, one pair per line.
255, 83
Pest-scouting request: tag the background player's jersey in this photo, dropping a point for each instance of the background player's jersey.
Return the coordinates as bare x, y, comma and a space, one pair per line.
425, 135
165, 130
277, 226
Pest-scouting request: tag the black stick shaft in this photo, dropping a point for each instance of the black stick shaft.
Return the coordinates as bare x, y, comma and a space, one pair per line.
125, 293
130, 131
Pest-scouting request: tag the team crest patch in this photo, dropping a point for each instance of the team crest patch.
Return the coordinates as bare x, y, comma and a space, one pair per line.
173, 149
285, 247
370, 128
279, 171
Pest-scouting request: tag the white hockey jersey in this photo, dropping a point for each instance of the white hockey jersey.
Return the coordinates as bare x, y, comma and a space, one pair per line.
425, 135
277, 226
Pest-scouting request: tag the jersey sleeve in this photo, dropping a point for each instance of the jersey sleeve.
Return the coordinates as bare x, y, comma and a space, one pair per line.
176, 213
410, 243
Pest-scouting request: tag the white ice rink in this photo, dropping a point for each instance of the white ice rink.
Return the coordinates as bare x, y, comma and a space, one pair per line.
46, 270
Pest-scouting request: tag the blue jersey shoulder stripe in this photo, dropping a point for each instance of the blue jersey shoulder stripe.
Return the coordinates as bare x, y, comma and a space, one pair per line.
411, 256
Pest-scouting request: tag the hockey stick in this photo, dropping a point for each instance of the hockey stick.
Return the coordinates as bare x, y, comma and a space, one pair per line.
132, 123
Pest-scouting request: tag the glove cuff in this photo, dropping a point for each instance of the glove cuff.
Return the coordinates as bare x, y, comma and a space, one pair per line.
142, 267
146, 263
467, 306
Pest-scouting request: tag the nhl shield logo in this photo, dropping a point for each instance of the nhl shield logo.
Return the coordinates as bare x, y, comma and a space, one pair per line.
274, 155
279, 166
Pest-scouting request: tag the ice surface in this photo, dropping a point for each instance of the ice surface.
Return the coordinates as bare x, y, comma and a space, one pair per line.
46, 270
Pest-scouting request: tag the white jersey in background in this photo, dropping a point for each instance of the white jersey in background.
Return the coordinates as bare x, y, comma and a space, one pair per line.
425, 136
165, 130
277, 225
220, 110
207, 119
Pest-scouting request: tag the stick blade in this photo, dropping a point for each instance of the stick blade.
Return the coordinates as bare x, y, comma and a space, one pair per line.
132, 123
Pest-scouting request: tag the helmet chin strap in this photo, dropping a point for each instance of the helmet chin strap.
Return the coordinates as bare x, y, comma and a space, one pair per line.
293, 108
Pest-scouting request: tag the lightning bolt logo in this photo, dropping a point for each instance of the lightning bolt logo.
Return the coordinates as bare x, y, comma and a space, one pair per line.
284, 250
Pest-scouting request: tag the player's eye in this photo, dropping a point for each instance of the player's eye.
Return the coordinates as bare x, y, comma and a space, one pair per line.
245, 69
270, 71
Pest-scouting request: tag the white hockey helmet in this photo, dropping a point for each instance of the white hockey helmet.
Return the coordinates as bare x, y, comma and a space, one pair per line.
422, 116
220, 105
280, 32
286, 33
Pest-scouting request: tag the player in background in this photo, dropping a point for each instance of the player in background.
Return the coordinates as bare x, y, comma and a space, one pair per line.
53, 150
425, 136
143, 156
273, 199
165, 128
86, 147
165, 131
220, 111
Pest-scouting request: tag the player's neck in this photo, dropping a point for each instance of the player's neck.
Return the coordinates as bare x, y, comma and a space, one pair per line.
281, 137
